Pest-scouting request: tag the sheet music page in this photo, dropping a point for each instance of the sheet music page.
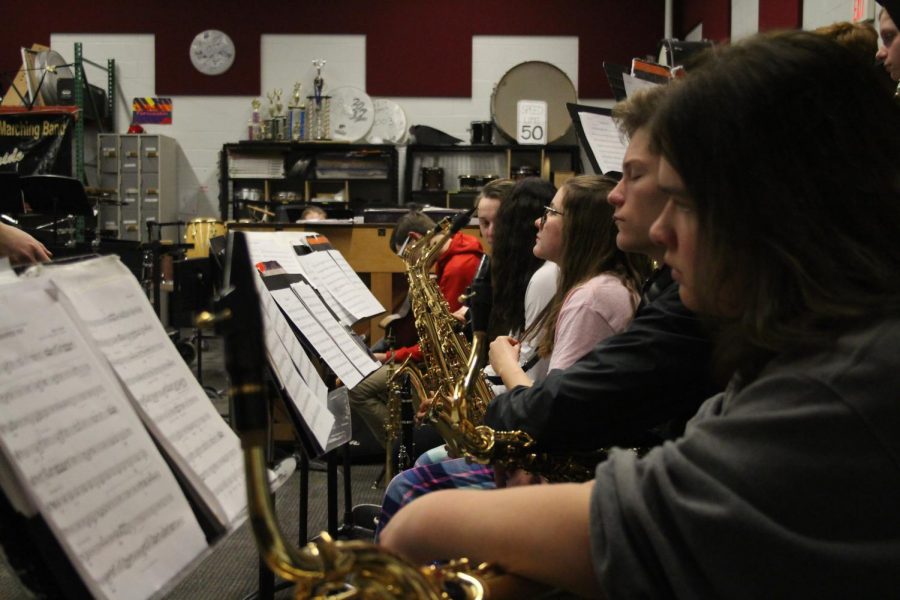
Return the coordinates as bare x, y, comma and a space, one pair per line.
633, 84
604, 139
83, 455
339, 406
319, 334
282, 329
367, 305
343, 315
295, 371
122, 323
332, 271
346, 340
275, 246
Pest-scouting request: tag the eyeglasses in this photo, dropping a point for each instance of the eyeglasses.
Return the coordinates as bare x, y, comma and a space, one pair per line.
547, 211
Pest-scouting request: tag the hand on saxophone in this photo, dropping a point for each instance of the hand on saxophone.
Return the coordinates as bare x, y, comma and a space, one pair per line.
424, 409
460, 313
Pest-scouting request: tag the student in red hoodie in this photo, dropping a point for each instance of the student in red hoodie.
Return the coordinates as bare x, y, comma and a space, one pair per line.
455, 268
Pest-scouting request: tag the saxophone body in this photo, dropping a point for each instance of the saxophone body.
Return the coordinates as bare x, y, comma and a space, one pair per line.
445, 350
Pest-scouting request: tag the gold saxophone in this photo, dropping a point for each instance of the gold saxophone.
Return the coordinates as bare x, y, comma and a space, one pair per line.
325, 568
445, 350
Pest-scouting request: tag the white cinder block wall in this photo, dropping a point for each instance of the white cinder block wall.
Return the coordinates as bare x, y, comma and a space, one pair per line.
202, 124
824, 12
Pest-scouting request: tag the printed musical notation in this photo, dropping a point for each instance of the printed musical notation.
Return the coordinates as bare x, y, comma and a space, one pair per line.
75, 444
331, 272
122, 323
295, 372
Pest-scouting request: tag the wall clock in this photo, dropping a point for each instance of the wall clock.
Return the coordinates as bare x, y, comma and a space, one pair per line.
212, 52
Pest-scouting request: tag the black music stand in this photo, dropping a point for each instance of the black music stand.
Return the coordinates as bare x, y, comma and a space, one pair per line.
10, 194
55, 195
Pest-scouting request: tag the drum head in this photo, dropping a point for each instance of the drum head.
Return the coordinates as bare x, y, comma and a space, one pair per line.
534, 80
352, 114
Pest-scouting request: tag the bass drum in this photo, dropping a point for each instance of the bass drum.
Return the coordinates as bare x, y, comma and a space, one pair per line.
534, 80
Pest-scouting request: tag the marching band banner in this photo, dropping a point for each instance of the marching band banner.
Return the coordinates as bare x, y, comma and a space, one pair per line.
36, 142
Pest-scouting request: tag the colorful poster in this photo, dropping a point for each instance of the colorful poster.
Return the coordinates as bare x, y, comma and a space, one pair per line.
155, 111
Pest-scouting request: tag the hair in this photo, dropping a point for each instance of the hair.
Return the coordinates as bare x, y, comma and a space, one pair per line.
313, 211
512, 261
588, 249
799, 211
496, 189
415, 221
638, 110
859, 38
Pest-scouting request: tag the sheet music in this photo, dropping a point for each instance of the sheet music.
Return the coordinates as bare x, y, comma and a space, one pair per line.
325, 268
339, 406
604, 139
343, 315
346, 340
277, 246
332, 271
633, 84
294, 370
317, 334
83, 456
124, 326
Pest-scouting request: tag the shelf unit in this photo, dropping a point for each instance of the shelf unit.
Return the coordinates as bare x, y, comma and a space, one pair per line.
299, 173
80, 85
138, 170
480, 160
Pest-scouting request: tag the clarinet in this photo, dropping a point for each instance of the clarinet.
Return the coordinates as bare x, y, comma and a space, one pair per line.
406, 449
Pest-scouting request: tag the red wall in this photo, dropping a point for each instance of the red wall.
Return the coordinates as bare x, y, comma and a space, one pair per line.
714, 14
413, 47
780, 14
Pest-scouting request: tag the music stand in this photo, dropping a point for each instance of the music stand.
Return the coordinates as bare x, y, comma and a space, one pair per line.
599, 138
10, 193
55, 195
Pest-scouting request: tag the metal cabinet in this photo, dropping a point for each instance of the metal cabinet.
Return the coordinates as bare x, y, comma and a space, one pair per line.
137, 175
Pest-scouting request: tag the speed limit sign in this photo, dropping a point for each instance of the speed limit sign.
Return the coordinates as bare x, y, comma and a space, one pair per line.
531, 122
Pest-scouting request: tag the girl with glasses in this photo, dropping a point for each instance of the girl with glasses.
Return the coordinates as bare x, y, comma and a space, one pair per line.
598, 285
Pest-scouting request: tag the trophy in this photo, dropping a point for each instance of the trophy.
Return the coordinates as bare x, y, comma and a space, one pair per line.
297, 115
277, 120
319, 106
253, 127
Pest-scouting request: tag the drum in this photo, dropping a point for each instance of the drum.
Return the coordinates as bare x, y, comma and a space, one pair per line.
533, 80
198, 232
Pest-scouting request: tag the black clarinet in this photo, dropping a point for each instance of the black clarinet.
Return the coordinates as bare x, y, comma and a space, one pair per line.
406, 448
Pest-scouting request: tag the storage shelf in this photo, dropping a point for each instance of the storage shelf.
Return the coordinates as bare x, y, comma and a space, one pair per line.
299, 161
480, 160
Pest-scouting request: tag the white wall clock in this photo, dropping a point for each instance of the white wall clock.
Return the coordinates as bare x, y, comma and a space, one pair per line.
212, 52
